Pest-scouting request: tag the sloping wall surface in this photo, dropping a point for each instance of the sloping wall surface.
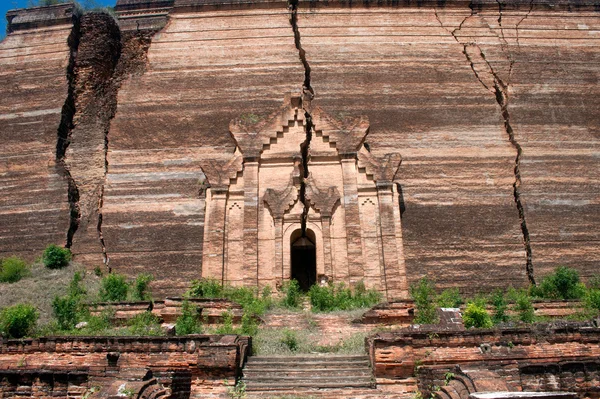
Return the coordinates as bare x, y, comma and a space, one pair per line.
34, 210
203, 70
491, 105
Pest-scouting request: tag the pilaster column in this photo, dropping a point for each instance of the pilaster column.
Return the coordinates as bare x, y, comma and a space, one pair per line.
352, 216
250, 264
212, 256
278, 268
396, 284
327, 261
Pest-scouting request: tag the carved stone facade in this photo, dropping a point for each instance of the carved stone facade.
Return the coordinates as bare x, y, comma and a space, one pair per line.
258, 197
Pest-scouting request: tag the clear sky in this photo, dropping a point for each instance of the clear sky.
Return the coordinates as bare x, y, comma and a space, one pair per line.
6, 5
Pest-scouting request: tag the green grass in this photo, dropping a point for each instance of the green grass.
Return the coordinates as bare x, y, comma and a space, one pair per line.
276, 341
41, 286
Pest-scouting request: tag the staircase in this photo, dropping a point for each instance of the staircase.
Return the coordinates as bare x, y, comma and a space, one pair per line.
323, 376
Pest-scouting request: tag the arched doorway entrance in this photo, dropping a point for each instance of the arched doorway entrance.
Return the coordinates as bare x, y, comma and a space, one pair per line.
303, 252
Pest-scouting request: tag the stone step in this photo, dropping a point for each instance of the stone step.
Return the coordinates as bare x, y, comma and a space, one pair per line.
277, 375
351, 393
285, 385
263, 372
309, 358
307, 365
312, 380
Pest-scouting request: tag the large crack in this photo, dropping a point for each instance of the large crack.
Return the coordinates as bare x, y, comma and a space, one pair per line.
64, 131
502, 99
500, 91
307, 96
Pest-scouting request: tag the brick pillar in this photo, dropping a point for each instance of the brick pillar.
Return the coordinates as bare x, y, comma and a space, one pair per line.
278, 267
326, 232
402, 280
212, 253
250, 269
395, 275
353, 230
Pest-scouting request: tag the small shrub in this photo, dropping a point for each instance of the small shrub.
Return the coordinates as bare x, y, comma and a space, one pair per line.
56, 257
13, 269
500, 305
75, 289
113, 288
449, 298
188, 322
205, 288
423, 293
524, 307
594, 282
290, 340
293, 294
140, 287
66, 309
592, 300
476, 316
339, 297
98, 271
227, 326
249, 325
145, 323
19, 320
99, 324
564, 283
322, 299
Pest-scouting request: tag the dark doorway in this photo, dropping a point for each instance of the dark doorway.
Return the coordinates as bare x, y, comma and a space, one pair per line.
304, 259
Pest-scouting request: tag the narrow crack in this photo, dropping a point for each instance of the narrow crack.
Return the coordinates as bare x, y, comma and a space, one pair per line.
521, 21
500, 20
466, 53
308, 94
64, 131
500, 90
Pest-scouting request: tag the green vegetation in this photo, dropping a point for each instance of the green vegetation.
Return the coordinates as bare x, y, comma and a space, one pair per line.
450, 298
592, 300
564, 283
56, 257
114, 288
423, 293
339, 297
140, 287
146, 324
290, 340
510, 305
68, 309
284, 341
293, 294
19, 320
498, 301
13, 269
188, 322
475, 316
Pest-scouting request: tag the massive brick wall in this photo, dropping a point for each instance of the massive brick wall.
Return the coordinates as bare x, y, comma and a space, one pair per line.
547, 357
192, 366
464, 92
204, 69
33, 202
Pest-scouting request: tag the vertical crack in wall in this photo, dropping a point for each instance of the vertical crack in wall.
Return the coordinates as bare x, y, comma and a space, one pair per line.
500, 91
502, 98
307, 96
521, 21
64, 131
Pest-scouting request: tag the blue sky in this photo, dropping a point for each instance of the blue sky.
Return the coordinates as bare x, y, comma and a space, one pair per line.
6, 5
